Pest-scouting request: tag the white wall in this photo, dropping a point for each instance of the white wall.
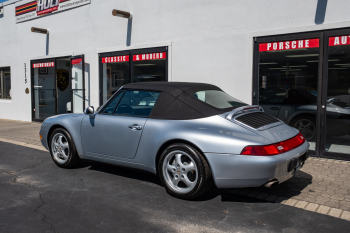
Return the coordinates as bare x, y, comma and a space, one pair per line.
211, 41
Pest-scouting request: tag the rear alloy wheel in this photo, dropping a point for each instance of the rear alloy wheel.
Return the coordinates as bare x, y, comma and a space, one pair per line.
62, 149
306, 126
184, 172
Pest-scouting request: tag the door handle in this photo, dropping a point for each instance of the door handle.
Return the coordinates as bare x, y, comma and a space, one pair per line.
135, 127
275, 108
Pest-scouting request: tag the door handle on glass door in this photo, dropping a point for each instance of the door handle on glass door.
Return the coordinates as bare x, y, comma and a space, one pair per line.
135, 127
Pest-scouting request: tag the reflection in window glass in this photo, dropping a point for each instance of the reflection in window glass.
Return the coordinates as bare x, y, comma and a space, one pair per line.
288, 83
218, 99
113, 104
5, 83
149, 67
337, 138
115, 74
137, 103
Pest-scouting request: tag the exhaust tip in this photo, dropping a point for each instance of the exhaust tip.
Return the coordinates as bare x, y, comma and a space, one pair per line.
271, 184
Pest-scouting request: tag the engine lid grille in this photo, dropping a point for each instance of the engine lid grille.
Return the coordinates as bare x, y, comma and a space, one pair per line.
256, 119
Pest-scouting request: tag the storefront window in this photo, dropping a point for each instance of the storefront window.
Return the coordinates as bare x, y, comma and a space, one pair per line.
120, 68
115, 74
288, 76
5, 83
337, 138
149, 67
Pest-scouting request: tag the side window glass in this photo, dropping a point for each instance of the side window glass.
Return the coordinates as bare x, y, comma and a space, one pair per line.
137, 103
109, 109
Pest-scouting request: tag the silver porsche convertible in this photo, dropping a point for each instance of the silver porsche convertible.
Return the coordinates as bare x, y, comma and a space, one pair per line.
191, 135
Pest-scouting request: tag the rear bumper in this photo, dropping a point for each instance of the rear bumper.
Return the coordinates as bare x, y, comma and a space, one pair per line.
240, 171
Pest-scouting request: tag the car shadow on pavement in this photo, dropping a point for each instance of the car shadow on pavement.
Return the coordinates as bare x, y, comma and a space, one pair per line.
126, 172
288, 189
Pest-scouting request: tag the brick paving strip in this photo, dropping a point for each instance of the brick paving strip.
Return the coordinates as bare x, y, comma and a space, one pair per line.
321, 186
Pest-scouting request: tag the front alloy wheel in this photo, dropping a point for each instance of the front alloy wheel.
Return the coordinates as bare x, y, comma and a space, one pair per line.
62, 149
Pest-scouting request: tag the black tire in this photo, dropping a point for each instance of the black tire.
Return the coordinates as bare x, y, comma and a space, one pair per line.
295, 122
204, 175
73, 157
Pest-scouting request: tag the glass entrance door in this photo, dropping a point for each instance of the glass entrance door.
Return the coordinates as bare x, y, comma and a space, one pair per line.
336, 100
78, 84
58, 86
44, 89
304, 80
288, 82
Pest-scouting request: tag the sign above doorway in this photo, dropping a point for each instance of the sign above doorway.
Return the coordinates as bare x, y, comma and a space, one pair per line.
38, 8
287, 45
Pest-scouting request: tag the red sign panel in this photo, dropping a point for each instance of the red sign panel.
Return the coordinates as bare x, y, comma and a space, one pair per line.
339, 40
115, 59
149, 56
43, 12
44, 64
288, 45
77, 61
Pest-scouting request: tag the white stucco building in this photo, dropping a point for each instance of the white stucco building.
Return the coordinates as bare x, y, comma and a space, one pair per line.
250, 49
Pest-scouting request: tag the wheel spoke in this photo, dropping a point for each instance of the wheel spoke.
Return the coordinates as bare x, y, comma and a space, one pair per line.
65, 146
60, 140
187, 181
170, 168
189, 167
176, 180
64, 155
178, 159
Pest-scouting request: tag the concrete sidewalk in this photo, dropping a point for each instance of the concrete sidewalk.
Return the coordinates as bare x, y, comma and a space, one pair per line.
321, 186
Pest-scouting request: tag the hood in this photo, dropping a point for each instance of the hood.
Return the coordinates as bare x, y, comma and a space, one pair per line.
63, 116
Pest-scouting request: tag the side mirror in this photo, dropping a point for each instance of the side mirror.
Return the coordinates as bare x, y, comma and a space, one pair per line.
90, 111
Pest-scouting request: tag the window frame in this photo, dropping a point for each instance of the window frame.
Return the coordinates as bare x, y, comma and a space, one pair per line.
286, 37
130, 53
2, 82
109, 101
125, 90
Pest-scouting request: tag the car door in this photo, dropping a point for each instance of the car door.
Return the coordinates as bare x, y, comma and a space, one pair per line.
116, 130
271, 100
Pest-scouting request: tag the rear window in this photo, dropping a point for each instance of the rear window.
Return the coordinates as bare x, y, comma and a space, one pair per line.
218, 99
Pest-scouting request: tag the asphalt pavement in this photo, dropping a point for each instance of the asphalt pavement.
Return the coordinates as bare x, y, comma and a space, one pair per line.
37, 196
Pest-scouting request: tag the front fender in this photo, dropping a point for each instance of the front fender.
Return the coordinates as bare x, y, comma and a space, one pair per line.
71, 122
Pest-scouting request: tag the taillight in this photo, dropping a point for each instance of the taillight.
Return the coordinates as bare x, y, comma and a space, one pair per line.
274, 149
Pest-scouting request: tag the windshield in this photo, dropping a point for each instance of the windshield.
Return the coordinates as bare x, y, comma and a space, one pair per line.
218, 99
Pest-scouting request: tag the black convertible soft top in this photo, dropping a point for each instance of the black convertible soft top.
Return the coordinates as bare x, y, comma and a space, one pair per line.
177, 100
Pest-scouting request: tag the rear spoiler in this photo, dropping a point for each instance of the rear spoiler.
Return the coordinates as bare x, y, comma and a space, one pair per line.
243, 109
